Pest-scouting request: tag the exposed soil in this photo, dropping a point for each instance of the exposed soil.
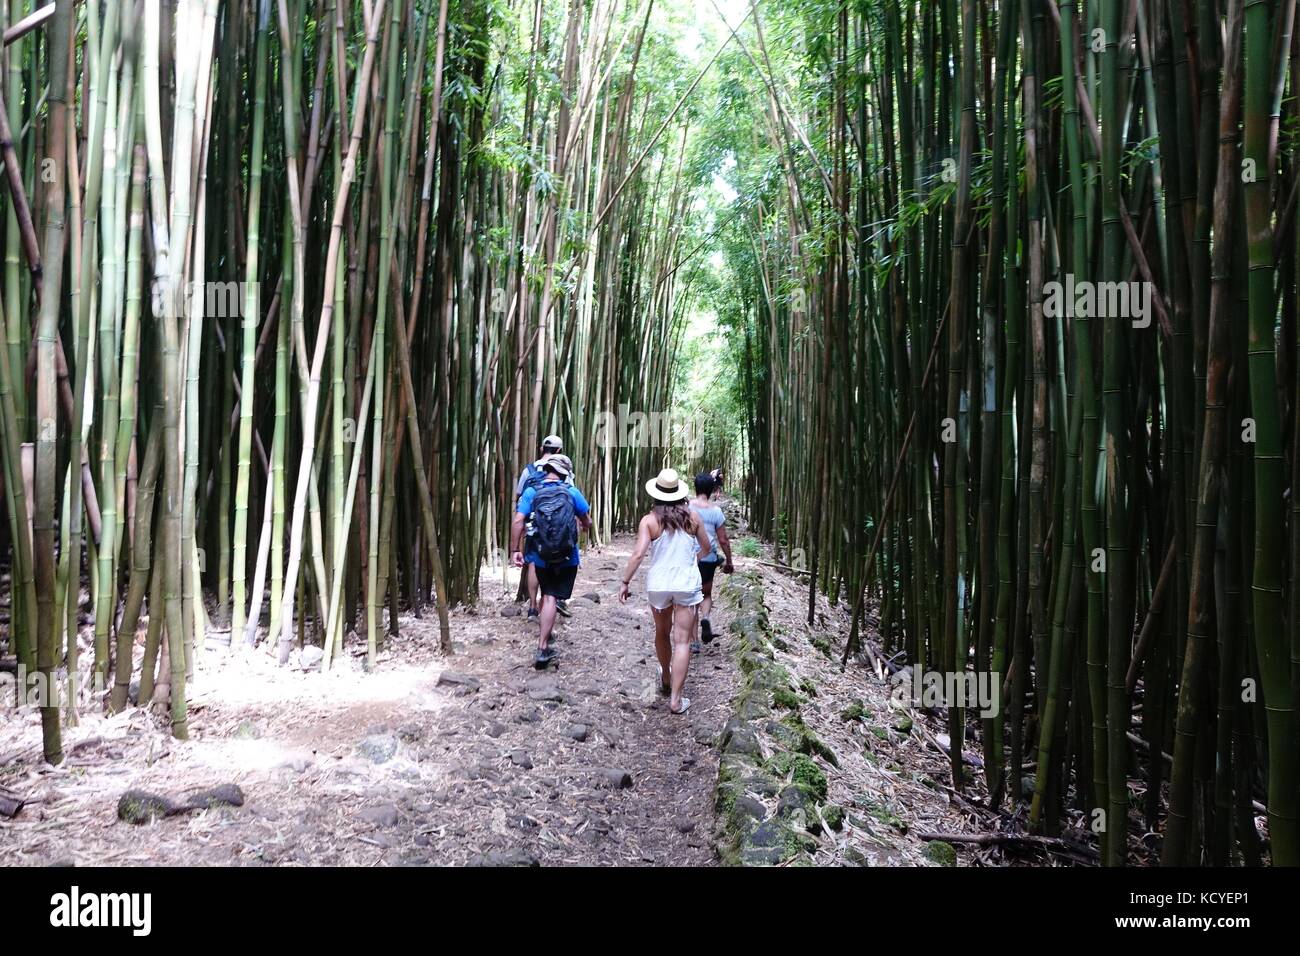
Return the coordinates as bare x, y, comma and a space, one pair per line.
427, 760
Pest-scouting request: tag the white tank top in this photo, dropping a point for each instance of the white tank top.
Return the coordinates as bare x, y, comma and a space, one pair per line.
672, 563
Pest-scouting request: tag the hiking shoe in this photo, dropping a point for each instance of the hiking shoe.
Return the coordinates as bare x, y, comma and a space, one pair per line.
706, 630
532, 614
696, 647
563, 608
543, 658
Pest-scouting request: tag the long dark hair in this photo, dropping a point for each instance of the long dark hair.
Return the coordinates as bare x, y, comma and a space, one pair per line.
673, 516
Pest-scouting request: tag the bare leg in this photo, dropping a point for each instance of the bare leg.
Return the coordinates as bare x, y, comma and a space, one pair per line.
547, 619
683, 630
530, 573
663, 640
707, 604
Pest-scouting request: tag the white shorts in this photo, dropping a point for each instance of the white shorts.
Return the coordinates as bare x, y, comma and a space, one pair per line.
662, 600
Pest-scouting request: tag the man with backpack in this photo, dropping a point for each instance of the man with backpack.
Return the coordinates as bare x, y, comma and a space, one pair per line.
554, 509
532, 477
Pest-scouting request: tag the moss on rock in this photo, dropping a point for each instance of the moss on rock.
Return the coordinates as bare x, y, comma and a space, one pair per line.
940, 853
785, 698
801, 769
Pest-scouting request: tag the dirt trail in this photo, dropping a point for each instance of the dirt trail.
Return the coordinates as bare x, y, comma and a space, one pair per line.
477, 758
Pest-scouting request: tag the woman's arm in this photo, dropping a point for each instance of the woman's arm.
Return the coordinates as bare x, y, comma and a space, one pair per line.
638, 553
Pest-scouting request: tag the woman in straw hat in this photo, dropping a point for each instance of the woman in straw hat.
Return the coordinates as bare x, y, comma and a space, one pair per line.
674, 536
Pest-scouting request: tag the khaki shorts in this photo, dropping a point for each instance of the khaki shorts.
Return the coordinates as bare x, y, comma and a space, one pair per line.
662, 600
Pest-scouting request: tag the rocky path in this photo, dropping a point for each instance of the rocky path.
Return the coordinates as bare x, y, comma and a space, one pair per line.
476, 759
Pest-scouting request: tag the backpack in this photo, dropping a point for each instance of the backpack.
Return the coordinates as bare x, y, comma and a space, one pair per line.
536, 476
555, 528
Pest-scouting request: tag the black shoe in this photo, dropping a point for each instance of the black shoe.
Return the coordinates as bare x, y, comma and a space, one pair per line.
532, 614
544, 658
706, 631
563, 608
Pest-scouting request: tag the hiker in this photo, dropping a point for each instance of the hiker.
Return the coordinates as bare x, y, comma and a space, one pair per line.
555, 511
673, 535
714, 521
532, 477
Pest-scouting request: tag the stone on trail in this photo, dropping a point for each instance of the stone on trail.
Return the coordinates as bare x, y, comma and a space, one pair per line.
310, 657
511, 610
521, 759
577, 732
614, 778
592, 596
140, 806
685, 825
382, 815
544, 688
378, 748
453, 679
495, 729
505, 858
225, 795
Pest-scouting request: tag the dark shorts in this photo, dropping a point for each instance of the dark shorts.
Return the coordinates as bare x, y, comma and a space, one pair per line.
707, 570
557, 582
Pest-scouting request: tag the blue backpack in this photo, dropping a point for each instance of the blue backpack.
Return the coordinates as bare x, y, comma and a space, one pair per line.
554, 523
535, 477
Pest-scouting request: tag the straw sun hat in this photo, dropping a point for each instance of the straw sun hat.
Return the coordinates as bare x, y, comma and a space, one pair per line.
667, 486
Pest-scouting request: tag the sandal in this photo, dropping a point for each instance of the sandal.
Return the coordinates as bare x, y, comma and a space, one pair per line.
686, 705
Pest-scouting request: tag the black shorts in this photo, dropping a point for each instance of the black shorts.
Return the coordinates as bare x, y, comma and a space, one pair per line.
558, 581
707, 570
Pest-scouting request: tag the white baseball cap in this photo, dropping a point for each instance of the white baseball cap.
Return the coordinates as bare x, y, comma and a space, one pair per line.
552, 443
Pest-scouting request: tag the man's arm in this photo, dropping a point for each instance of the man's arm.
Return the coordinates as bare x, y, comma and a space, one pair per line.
516, 533
725, 544
581, 508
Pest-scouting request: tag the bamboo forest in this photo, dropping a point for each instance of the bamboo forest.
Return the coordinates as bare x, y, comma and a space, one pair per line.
960, 336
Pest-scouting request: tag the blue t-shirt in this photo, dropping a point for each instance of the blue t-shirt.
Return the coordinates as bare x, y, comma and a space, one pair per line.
525, 508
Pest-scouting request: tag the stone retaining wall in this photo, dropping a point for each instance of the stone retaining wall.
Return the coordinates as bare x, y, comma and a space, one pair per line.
771, 792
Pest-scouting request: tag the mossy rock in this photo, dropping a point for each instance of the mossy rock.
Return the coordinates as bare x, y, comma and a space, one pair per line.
785, 698
822, 643
940, 853
725, 797
809, 743
786, 737
903, 725
879, 732
780, 645
833, 814
808, 687
801, 769
886, 816
753, 662
753, 704
855, 711
770, 677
